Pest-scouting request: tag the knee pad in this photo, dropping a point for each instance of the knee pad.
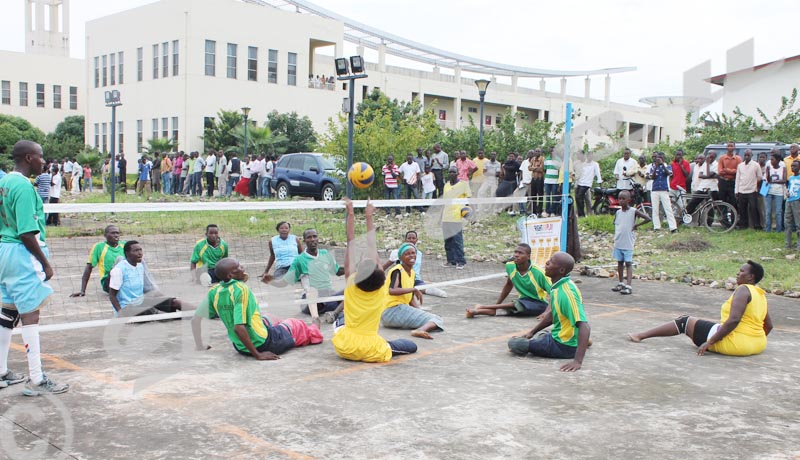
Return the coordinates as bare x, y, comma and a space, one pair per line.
680, 323
9, 318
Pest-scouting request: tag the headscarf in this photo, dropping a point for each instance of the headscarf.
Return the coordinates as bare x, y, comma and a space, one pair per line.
405, 247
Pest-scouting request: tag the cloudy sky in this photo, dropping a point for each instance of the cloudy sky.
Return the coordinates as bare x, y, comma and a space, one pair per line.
661, 39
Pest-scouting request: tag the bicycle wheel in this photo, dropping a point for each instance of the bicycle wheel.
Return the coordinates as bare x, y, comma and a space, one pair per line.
646, 209
719, 216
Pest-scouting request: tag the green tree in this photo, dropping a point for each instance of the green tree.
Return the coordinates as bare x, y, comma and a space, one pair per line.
299, 132
67, 139
159, 145
261, 140
785, 125
220, 134
12, 130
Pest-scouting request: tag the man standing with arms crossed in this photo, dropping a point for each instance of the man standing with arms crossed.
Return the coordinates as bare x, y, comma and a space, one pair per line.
726, 174
440, 163
24, 268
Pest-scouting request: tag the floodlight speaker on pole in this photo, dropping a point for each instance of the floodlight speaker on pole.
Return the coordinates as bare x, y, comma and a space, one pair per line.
482, 85
357, 64
112, 99
341, 67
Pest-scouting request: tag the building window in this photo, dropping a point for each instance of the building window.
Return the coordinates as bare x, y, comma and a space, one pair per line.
139, 63
105, 137
155, 61
472, 110
165, 59
252, 63
97, 135
291, 70
497, 119
175, 58
105, 70
164, 128
120, 55
23, 94
175, 132
73, 97
6, 92
272, 67
113, 70
155, 128
40, 95
232, 50
121, 137
56, 96
442, 114
487, 120
96, 71
139, 135
211, 57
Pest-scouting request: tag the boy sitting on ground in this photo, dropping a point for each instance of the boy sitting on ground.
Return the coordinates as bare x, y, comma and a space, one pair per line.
251, 334
529, 281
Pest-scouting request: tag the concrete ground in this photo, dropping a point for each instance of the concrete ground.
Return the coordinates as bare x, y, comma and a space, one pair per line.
140, 391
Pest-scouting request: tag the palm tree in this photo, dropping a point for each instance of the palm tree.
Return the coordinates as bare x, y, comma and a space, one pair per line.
160, 145
261, 141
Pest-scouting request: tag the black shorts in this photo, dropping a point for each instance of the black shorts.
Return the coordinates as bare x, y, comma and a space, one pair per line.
701, 329
528, 307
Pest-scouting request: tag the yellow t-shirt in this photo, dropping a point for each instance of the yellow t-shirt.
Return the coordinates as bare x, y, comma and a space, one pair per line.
788, 162
406, 281
452, 213
358, 340
478, 174
749, 337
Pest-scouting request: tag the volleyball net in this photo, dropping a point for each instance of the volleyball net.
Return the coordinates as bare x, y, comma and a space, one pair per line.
168, 233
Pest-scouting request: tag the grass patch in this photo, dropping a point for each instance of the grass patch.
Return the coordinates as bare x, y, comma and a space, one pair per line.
690, 245
597, 223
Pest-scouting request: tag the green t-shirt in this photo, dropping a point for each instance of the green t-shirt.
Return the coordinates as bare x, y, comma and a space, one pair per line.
21, 209
233, 303
103, 256
534, 284
319, 269
205, 254
567, 305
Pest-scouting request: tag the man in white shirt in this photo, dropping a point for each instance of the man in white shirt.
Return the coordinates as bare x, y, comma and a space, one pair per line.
706, 181
411, 179
526, 176
55, 196
67, 170
748, 173
588, 171
269, 173
262, 176
256, 169
211, 165
623, 170
439, 164
221, 173
197, 173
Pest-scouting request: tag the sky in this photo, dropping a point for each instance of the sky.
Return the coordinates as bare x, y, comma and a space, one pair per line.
660, 39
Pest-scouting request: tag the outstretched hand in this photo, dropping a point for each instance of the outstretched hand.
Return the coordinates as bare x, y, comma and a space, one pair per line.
703, 348
266, 278
571, 366
370, 209
348, 204
267, 356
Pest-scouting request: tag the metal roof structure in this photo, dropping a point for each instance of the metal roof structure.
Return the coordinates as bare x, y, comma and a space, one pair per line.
370, 37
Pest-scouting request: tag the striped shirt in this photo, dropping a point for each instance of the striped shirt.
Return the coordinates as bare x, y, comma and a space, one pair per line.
550, 170
389, 178
42, 184
567, 306
533, 284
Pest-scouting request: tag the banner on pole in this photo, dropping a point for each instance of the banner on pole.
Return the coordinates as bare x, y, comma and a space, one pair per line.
543, 235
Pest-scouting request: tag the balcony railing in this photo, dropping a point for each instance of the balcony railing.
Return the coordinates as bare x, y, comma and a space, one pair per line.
318, 84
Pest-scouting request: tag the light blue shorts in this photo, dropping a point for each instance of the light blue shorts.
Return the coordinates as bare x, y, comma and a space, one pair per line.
623, 255
22, 283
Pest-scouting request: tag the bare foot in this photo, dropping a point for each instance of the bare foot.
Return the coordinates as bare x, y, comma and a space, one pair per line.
421, 334
470, 313
316, 322
589, 344
634, 338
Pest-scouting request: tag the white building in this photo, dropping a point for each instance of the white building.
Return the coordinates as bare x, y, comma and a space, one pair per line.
176, 63
43, 85
759, 87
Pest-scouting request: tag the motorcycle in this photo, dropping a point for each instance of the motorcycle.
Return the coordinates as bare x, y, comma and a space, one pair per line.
606, 200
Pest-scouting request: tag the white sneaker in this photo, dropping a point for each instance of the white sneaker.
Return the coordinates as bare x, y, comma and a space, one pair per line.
435, 292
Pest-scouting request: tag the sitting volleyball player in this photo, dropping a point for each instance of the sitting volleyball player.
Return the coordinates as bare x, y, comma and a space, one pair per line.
402, 308
365, 298
206, 254
251, 334
313, 268
103, 256
530, 282
743, 326
411, 238
131, 289
569, 337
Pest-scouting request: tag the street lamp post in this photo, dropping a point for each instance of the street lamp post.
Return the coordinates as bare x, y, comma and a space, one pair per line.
246, 112
113, 101
343, 74
482, 85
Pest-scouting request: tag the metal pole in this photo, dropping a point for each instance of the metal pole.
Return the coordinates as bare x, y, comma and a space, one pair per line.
565, 188
350, 127
245, 139
480, 143
113, 143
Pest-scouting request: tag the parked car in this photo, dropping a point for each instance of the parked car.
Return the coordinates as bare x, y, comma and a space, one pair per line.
306, 174
755, 147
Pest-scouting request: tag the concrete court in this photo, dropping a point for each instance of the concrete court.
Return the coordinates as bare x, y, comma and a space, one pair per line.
141, 392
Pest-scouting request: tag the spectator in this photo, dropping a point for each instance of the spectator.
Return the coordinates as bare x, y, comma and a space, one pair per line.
589, 171
694, 173
748, 174
143, 184
624, 227
155, 173
269, 173
452, 228
391, 190
122, 164
66, 168
210, 169
680, 174
491, 171
526, 176
761, 203
776, 178
791, 218
707, 182
43, 183
166, 174
624, 169
510, 172
87, 177
411, 179
727, 166
439, 166
478, 177
465, 167
77, 177
660, 194
428, 183
421, 160
256, 167
177, 167
235, 173
537, 181
794, 155
552, 169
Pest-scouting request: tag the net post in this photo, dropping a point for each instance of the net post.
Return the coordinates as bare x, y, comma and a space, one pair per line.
565, 186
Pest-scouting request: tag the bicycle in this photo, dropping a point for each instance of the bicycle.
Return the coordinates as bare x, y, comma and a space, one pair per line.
716, 215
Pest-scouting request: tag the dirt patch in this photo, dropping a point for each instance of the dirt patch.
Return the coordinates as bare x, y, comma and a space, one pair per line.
691, 245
